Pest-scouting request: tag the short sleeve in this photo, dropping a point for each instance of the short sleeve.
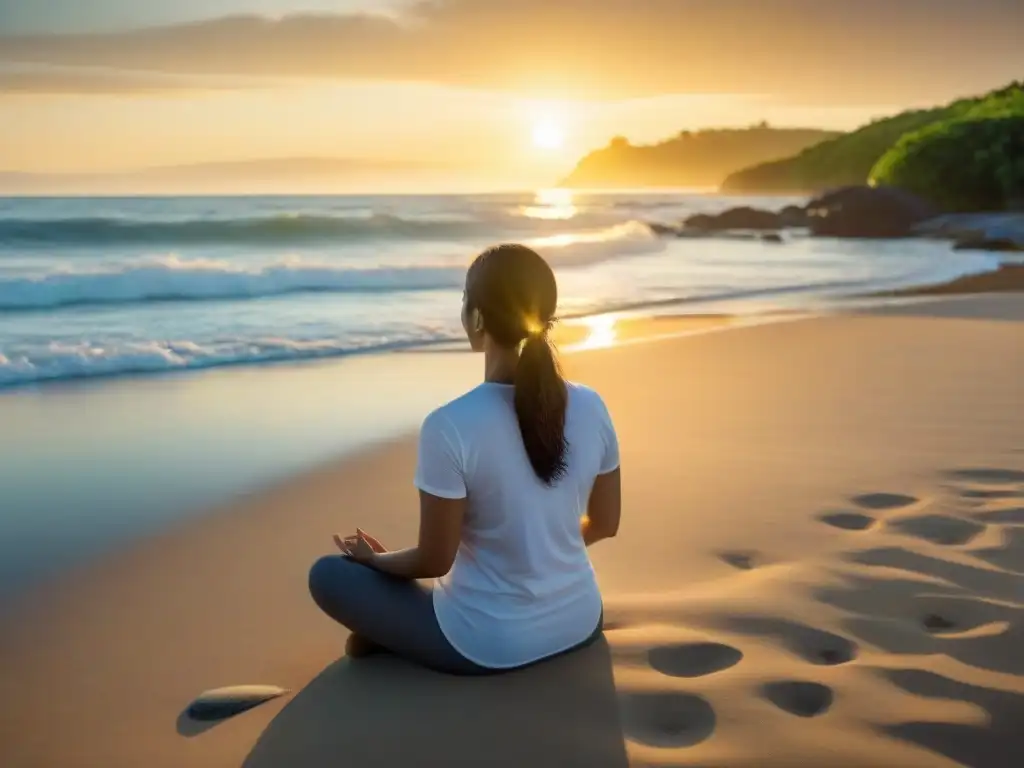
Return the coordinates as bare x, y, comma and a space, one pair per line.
439, 464
609, 440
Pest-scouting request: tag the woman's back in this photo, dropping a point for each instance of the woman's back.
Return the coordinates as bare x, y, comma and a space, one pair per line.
517, 478
521, 587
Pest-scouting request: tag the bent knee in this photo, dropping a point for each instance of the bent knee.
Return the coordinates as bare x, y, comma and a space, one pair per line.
327, 575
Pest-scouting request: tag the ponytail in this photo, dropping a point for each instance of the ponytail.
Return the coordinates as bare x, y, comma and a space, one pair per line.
514, 291
540, 401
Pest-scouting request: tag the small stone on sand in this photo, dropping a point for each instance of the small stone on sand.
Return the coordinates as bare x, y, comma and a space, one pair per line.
221, 703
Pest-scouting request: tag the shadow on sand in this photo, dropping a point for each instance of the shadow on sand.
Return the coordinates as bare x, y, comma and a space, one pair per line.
998, 744
970, 615
383, 711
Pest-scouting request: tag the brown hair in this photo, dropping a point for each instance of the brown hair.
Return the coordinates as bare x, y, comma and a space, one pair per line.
515, 292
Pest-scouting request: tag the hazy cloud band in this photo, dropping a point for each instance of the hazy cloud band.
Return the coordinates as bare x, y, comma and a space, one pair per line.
821, 51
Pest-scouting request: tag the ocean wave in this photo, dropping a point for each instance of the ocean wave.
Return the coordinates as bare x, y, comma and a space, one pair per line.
643, 204
174, 279
577, 249
271, 230
276, 230
171, 278
88, 360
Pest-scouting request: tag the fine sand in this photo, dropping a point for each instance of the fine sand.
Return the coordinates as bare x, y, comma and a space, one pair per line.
821, 563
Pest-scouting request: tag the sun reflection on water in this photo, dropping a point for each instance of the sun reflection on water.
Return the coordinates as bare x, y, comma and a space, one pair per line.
551, 204
601, 332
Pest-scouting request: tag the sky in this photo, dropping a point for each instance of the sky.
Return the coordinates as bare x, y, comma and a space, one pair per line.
507, 91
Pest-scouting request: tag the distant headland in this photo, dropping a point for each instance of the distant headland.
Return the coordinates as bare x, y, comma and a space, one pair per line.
696, 159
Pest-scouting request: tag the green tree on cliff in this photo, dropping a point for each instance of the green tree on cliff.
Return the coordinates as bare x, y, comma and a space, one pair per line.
973, 164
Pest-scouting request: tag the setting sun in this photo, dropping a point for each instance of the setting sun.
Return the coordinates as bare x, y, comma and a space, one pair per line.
548, 135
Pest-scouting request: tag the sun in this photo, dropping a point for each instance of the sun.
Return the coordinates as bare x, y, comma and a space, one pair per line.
547, 134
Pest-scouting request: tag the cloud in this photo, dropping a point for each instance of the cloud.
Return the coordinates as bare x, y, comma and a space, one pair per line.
24, 79
820, 51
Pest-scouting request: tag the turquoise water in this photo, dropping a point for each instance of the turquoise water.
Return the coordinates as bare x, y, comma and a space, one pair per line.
110, 287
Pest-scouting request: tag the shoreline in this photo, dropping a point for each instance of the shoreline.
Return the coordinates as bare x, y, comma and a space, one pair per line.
764, 568
638, 322
634, 322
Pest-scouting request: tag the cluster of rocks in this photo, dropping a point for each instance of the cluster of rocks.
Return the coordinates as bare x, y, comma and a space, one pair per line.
856, 212
745, 218
978, 231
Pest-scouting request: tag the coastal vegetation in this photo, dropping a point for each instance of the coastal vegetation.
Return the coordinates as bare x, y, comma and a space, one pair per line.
962, 156
966, 165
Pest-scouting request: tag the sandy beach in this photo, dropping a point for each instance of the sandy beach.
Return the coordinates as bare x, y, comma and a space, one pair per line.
820, 563
247, 252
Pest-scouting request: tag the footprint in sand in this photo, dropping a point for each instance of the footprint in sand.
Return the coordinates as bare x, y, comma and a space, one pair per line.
988, 475
1009, 554
848, 521
955, 614
938, 529
799, 698
813, 645
883, 501
693, 659
937, 624
666, 719
1013, 516
990, 494
741, 559
860, 521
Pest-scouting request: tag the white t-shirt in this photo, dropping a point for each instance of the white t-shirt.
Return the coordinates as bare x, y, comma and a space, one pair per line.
522, 586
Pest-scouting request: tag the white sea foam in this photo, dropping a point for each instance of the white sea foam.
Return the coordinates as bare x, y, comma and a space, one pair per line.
173, 278
60, 361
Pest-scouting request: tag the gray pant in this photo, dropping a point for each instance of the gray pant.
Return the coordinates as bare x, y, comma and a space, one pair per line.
396, 614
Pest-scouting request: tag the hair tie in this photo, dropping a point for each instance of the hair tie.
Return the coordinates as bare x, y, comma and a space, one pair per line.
536, 329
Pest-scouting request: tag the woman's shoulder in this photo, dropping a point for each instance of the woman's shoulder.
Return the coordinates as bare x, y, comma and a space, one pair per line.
586, 398
583, 393
466, 408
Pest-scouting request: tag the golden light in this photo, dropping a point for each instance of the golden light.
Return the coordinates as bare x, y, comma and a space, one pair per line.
551, 204
601, 332
548, 134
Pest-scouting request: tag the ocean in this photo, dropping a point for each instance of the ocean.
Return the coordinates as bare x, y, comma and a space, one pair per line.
107, 287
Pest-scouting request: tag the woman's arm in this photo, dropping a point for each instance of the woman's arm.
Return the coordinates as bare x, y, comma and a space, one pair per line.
432, 557
604, 508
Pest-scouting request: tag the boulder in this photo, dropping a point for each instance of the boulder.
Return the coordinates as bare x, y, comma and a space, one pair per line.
734, 218
793, 216
863, 211
662, 229
1001, 231
703, 234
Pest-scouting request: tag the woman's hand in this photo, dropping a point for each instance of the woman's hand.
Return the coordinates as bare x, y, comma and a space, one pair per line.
362, 547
